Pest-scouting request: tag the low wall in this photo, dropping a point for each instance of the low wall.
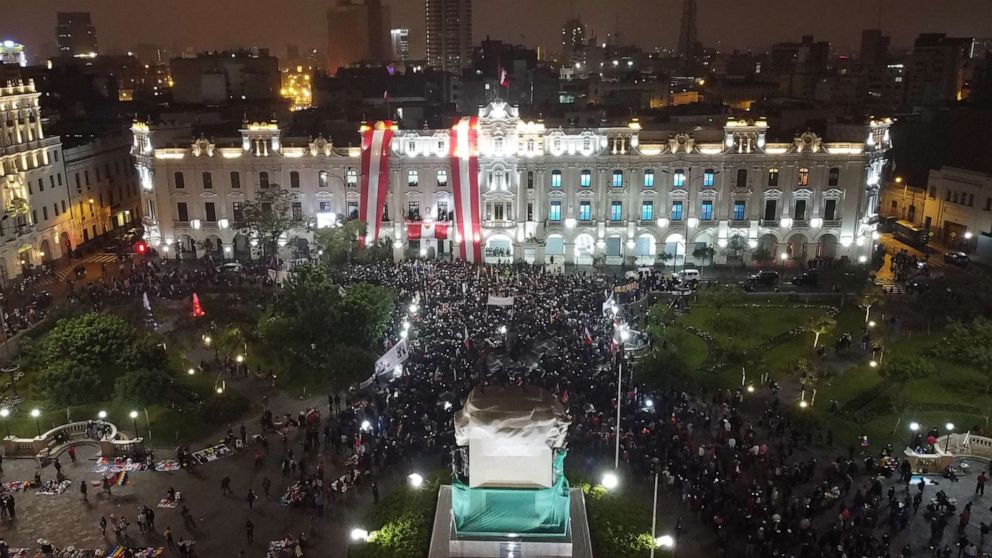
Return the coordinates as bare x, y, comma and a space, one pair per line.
947, 449
48, 446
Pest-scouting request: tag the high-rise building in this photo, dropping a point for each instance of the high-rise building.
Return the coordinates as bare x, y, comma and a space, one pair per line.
356, 32
449, 34
76, 34
936, 70
13, 53
400, 39
874, 48
687, 31
573, 43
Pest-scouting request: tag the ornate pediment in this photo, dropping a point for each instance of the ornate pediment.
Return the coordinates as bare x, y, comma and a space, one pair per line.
202, 147
833, 193
802, 193
321, 146
678, 194
773, 194
708, 194
681, 143
808, 143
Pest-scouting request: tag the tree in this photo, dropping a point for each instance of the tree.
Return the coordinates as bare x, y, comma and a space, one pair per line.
900, 370
660, 317
761, 254
809, 374
664, 257
141, 387
869, 296
65, 383
365, 311
269, 216
704, 253
339, 243
969, 345
821, 324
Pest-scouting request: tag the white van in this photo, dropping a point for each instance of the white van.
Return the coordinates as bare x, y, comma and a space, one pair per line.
688, 275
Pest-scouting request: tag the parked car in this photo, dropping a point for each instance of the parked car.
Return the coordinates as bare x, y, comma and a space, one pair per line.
765, 278
918, 284
233, 267
957, 258
689, 275
808, 278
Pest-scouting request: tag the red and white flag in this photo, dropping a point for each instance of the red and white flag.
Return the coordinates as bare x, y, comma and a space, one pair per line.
504, 78
465, 174
375, 177
587, 337
468, 342
417, 231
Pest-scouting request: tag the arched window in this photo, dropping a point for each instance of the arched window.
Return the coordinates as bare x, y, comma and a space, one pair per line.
803, 179
556, 179
235, 179
617, 179
742, 178
294, 179
834, 177
678, 179
649, 178
208, 181
351, 177
585, 178
263, 179
442, 178
709, 178
322, 179
412, 179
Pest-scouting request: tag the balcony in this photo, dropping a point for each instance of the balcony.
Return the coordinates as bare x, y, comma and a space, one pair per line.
768, 223
181, 224
832, 223
498, 224
740, 223
800, 224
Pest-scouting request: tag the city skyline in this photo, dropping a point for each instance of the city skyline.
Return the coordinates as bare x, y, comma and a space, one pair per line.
742, 25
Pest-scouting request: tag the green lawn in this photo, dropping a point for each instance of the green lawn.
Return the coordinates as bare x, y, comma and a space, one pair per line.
756, 324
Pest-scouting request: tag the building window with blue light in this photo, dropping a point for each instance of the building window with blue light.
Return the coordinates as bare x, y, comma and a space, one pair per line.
709, 178
706, 211
585, 211
678, 179
676, 211
585, 179
647, 211
555, 213
618, 179
739, 210
556, 179
616, 211
649, 179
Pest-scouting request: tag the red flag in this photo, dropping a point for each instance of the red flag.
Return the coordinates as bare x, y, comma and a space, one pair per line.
614, 345
564, 397
504, 78
587, 337
468, 342
197, 309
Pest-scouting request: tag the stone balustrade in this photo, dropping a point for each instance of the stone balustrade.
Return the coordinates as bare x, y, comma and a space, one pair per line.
51, 443
948, 448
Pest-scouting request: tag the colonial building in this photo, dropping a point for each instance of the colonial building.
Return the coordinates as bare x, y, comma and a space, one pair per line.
573, 195
34, 221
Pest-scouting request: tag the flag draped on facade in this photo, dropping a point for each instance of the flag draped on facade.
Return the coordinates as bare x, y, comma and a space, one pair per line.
465, 174
422, 230
376, 140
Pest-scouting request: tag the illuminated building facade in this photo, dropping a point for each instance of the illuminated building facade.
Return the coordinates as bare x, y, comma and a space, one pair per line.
548, 195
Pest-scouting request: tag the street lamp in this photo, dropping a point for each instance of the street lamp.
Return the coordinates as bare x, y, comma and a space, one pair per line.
610, 481
191, 371
871, 323
134, 421
416, 480
36, 413
207, 340
102, 415
947, 439
914, 426
366, 425
502, 329
239, 359
665, 541
873, 363
4, 413
359, 535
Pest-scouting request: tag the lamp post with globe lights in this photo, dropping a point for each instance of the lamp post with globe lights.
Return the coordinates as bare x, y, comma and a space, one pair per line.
35, 413
610, 481
4, 414
947, 438
134, 421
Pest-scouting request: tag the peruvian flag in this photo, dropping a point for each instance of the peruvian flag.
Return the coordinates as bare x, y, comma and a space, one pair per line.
417, 231
375, 177
587, 337
504, 78
468, 342
465, 175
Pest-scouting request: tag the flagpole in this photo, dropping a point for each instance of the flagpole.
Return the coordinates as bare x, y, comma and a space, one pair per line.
616, 461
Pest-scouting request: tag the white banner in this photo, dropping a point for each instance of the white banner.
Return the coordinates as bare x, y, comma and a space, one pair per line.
500, 300
393, 357
278, 276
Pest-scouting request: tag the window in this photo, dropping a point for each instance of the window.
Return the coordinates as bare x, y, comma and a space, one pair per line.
530, 180
773, 177
647, 211
800, 214
741, 178
235, 180
833, 178
55, 208
530, 145
208, 181
770, 206
324, 207
353, 209
58, 177
971, 200
649, 179
988, 204
412, 180
947, 195
210, 211
182, 211
676, 211
706, 211
238, 212
351, 178
709, 178
442, 211
442, 178
263, 179
63, 206
585, 211
297, 209
803, 177
322, 179
830, 210
530, 211
555, 213
86, 175
41, 184
180, 181
678, 179
739, 207
498, 144
34, 216
294, 179
616, 211
556, 179
618, 179
585, 179
44, 213
413, 211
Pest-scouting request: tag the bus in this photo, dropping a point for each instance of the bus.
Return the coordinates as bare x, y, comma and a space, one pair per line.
910, 234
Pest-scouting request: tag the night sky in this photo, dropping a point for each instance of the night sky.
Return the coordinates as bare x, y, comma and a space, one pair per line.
216, 24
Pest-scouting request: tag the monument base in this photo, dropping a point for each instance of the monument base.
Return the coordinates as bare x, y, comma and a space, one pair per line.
446, 543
